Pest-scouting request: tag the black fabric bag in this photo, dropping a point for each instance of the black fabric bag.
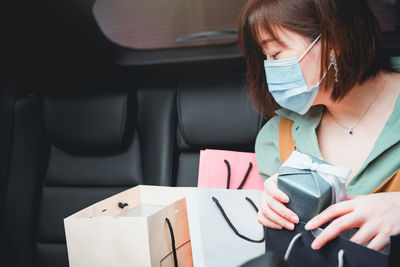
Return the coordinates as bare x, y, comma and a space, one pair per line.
270, 259
296, 247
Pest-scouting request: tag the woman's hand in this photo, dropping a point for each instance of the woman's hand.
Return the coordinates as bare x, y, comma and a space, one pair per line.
377, 216
272, 212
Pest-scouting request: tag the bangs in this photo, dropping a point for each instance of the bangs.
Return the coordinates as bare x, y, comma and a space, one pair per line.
263, 20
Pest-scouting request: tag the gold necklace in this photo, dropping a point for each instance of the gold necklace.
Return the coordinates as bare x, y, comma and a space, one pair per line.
350, 129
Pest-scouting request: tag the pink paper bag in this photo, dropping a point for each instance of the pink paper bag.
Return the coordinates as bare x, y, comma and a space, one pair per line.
222, 168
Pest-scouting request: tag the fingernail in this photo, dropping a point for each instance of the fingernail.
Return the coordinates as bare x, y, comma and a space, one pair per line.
294, 219
308, 226
285, 198
290, 226
315, 245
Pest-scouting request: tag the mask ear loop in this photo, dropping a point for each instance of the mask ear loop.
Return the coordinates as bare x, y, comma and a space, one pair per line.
308, 50
323, 76
311, 46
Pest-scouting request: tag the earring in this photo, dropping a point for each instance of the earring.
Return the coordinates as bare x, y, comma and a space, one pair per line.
334, 63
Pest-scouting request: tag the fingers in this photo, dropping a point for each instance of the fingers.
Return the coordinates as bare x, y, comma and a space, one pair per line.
363, 235
270, 186
273, 213
380, 241
353, 197
267, 223
330, 213
282, 210
272, 216
339, 225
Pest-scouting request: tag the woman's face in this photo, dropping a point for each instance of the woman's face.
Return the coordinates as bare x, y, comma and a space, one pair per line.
296, 45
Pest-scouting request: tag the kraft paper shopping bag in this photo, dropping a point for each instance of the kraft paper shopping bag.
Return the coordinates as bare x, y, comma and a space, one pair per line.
143, 226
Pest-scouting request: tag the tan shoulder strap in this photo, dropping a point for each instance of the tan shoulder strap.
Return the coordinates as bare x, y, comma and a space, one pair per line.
392, 184
286, 141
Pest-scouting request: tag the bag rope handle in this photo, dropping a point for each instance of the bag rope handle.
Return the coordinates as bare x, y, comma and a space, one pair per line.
228, 182
171, 232
297, 237
231, 224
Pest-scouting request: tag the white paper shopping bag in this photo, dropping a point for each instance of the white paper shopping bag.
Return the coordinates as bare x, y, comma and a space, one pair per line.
223, 227
143, 226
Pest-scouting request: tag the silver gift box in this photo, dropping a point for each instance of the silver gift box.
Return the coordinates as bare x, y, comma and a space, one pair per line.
311, 184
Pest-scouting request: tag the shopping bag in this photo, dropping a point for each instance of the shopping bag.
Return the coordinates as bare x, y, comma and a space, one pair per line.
143, 226
223, 226
340, 252
269, 259
311, 184
228, 170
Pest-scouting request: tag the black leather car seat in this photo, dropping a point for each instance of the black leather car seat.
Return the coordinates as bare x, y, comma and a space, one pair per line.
67, 153
213, 112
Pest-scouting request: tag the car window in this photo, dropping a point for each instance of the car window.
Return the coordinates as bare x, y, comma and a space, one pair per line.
155, 24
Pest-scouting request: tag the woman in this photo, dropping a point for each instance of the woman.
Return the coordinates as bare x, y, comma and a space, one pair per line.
323, 63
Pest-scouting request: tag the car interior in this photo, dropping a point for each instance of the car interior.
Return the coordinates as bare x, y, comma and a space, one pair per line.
98, 96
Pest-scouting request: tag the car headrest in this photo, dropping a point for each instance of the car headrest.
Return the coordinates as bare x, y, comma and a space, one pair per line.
87, 124
216, 112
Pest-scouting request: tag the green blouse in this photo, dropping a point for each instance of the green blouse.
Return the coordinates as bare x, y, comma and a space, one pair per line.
396, 63
382, 162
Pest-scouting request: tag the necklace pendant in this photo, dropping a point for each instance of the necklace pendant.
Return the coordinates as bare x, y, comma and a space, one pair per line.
351, 131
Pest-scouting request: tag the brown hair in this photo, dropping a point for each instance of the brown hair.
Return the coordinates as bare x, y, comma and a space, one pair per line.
347, 27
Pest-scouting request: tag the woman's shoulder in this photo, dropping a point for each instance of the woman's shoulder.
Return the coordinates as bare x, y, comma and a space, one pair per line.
269, 130
267, 148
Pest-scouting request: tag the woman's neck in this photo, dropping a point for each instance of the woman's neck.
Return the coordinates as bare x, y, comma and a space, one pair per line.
357, 102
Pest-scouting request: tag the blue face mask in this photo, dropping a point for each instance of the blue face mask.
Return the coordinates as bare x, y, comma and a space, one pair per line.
287, 85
